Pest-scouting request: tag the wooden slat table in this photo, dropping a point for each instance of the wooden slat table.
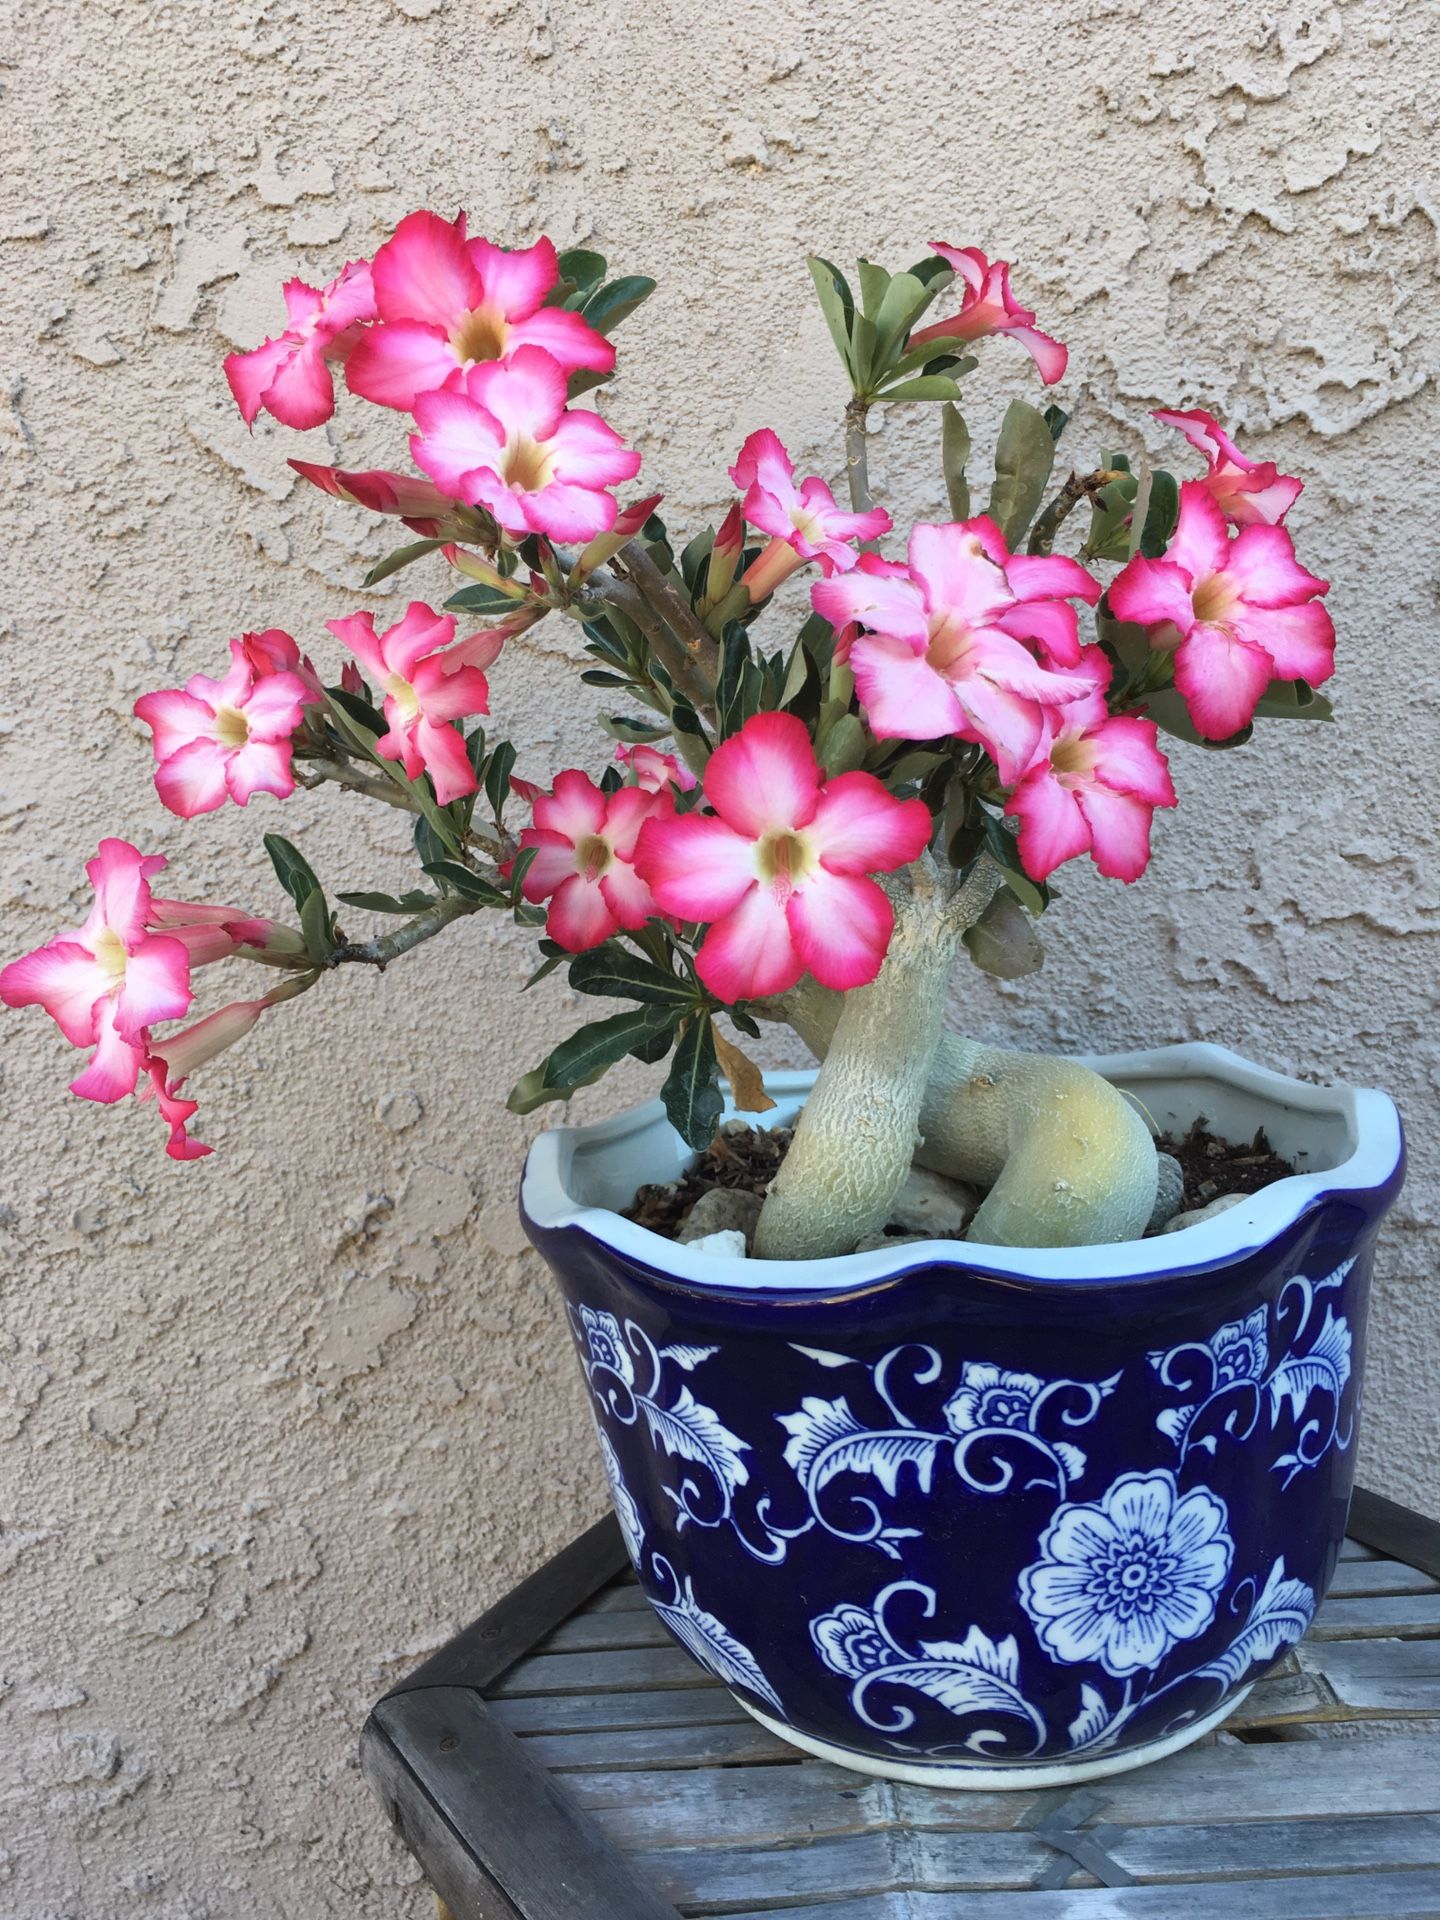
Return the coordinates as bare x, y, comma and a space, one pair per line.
563, 1759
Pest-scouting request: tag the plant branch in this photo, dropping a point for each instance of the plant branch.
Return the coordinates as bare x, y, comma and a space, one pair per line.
699, 643
857, 459
1077, 488
344, 773
380, 952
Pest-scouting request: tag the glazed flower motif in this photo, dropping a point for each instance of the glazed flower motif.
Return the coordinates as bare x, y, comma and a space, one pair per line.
501, 437
654, 770
218, 740
425, 688
1248, 492
1241, 1350
987, 307
780, 868
584, 862
290, 376
1122, 1579
850, 1642
1093, 786
990, 1396
1237, 613
446, 303
804, 522
111, 979
607, 1343
948, 642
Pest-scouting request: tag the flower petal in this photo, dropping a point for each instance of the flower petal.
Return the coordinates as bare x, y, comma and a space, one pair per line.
66, 980
1220, 676
156, 986
749, 953
515, 282
841, 925
394, 363
575, 808
860, 828
903, 696
260, 766
114, 1066
1152, 593
1119, 826
696, 866
580, 916
1052, 827
764, 778
423, 272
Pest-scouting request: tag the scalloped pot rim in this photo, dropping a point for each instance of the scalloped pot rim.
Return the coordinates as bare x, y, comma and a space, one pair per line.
1348, 1140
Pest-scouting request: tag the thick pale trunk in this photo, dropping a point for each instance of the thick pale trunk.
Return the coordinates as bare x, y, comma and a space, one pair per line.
857, 1135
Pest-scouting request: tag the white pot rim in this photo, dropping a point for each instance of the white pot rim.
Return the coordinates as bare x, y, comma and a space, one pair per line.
1365, 1120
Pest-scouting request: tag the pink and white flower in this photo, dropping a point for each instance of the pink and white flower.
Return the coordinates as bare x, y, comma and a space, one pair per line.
1093, 786
227, 739
780, 868
210, 933
290, 376
1248, 492
425, 688
111, 979
1238, 613
419, 503
987, 307
948, 642
804, 521
654, 770
584, 861
501, 437
447, 303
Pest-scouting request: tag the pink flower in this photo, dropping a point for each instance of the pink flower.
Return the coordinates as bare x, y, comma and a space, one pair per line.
419, 503
1238, 613
1093, 785
1249, 492
424, 688
948, 641
274, 651
106, 983
654, 770
446, 302
725, 556
804, 521
988, 306
213, 933
502, 438
177, 1113
289, 376
230, 738
779, 869
584, 863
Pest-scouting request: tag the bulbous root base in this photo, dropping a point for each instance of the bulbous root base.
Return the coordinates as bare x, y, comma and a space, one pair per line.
1067, 1160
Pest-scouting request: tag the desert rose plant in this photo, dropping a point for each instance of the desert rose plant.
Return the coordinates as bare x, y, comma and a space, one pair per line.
807, 826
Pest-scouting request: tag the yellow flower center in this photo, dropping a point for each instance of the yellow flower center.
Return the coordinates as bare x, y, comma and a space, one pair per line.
784, 860
1214, 600
110, 954
526, 464
592, 856
232, 729
481, 335
404, 696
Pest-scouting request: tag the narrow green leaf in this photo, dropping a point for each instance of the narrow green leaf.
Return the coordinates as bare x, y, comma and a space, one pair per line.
954, 452
929, 386
401, 557
316, 926
581, 267
359, 709
413, 902
1169, 712
693, 1101
600, 1044
906, 298
1024, 455
623, 726
546, 966
874, 283
841, 747
1056, 419
470, 886
1161, 515
292, 869
497, 777
614, 973
617, 301
1293, 700
836, 303
484, 600
862, 350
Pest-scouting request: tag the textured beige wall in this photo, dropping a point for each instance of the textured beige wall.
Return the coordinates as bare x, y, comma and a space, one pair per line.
274, 1425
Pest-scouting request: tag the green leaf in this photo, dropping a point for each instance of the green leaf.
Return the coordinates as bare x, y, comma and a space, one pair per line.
932, 357
874, 282
292, 869
519, 867
581, 267
487, 601
316, 926
401, 557
1056, 419
1024, 455
358, 708
624, 726
954, 452
731, 687
497, 777
1161, 515
836, 303
470, 886
1110, 511
928, 386
1003, 941
428, 843
906, 298
615, 973
1169, 712
862, 350
586, 1054
416, 901
1293, 700
693, 1101
841, 747
547, 965
617, 301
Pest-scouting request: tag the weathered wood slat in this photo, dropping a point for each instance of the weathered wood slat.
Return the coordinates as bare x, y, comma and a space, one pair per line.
1357, 1550
619, 1672
1395, 1530
1368, 1896
543, 1856
1397, 1676
626, 1596
702, 1881
615, 1627
742, 1806
741, 1741
1377, 1616
707, 1703
1355, 1577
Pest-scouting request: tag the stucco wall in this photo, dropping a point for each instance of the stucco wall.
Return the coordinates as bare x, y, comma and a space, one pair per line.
276, 1424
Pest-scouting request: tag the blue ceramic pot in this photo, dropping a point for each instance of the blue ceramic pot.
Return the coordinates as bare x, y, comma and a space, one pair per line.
979, 1515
